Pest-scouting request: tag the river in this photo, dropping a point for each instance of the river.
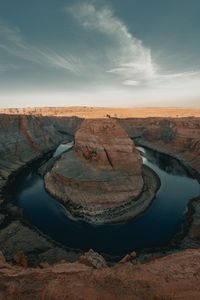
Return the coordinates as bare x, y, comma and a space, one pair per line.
154, 228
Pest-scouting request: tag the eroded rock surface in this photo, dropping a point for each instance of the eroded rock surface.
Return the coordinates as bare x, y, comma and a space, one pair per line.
16, 238
179, 137
101, 175
172, 277
93, 259
25, 138
105, 145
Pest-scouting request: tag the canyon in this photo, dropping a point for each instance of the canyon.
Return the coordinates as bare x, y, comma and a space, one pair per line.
101, 179
26, 136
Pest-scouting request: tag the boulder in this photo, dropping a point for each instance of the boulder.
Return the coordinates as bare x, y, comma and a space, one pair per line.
93, 259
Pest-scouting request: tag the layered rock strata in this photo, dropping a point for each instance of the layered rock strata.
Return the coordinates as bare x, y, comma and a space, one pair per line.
178, 137
102, 177
171, 277
24, 139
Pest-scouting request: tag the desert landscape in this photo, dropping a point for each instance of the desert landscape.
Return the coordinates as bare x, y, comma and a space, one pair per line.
34, 265
99, 150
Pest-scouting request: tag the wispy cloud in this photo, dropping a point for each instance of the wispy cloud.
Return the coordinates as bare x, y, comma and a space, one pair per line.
68, 62
129, 59
165, 80
115, 66
7, 67
12, 42
175, 80
131, 82
127, 54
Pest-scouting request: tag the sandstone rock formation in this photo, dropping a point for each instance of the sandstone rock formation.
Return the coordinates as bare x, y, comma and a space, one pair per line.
106, 146
155, 128
25, 138
178, 137
94, 259
101, 175
171, 277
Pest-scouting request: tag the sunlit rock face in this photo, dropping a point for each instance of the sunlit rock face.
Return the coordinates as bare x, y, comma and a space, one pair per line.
100, 175
106, 146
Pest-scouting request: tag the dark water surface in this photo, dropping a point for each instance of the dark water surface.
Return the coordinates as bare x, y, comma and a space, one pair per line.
155, 227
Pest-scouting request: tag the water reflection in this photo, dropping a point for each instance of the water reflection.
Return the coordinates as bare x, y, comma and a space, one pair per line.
154, 227
165, 162
62, 148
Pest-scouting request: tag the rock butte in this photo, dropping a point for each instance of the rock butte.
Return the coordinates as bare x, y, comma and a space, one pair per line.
102, 174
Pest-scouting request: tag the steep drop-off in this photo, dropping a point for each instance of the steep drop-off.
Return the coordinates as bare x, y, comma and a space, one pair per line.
25, 138
179, 137
101, 179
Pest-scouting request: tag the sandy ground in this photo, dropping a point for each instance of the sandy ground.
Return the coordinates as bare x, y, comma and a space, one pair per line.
103, 112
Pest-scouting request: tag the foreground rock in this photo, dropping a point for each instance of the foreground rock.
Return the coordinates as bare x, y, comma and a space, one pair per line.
172, 277
101, 178
93, 259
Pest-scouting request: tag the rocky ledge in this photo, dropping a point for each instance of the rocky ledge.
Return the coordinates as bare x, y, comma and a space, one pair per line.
172, 277
101, 180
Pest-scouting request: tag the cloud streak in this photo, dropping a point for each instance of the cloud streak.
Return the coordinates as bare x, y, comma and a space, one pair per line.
12, 42
105, 64
127, 54
130, 60
7, 67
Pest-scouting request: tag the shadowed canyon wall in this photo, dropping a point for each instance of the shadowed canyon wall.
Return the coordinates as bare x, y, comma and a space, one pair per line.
28, 136
179, 137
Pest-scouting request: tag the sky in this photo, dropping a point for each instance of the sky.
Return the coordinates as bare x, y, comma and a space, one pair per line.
126, 53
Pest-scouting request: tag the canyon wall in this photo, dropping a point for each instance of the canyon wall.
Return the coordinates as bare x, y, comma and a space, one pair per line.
25, 137
23, 140
169, 130
179, 137
102, 178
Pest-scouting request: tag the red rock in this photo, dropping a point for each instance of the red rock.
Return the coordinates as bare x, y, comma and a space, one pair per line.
102, 173
2, 259
161, 278
21, 259
128, 258
107, 146
94, 259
